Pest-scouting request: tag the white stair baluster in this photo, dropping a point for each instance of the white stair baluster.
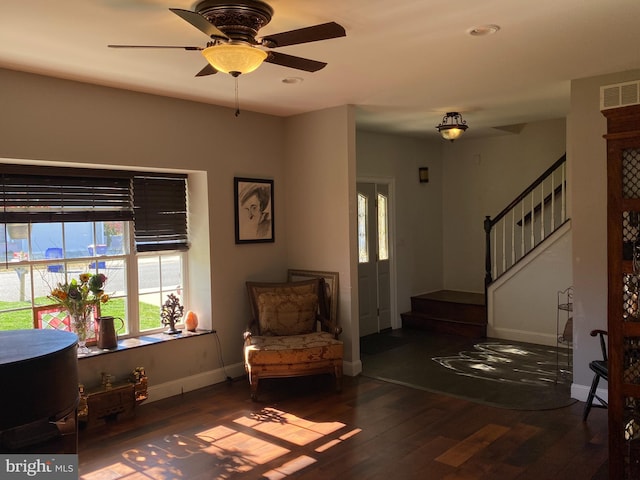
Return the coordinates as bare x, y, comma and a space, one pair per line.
541, 212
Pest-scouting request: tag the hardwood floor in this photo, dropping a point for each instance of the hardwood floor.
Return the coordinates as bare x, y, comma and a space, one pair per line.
302, 429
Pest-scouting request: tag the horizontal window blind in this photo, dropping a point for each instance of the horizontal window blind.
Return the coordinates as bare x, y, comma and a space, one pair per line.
160, 212
63, 197
156, 202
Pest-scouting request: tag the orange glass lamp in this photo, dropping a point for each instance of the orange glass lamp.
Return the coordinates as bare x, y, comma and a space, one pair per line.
234, 58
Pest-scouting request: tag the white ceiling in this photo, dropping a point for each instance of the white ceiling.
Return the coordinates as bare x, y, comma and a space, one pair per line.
403, 63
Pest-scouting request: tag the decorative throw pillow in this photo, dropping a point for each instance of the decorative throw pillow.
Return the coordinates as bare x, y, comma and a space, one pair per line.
287, 314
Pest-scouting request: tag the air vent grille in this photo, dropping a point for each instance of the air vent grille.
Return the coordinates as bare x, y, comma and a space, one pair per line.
620, 95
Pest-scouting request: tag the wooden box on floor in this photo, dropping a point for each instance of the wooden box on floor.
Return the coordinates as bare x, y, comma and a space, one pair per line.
117, 402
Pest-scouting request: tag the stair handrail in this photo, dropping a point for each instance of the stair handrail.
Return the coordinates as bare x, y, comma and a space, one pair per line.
490, 223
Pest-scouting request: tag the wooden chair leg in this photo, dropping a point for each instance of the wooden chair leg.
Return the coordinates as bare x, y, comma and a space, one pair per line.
253, 385
592, 394
338, 375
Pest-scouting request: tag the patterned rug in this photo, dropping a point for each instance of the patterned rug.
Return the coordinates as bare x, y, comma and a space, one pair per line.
504, 374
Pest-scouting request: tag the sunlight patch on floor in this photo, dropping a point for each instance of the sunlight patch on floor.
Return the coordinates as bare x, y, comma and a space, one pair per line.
113, 471
288, 427
337, 441
289, 468
240, 446
538, 366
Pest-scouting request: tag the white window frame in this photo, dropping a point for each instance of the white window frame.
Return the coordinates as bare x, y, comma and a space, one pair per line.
131, 264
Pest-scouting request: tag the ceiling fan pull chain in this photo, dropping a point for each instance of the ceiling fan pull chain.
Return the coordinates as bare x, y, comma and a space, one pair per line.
237, 100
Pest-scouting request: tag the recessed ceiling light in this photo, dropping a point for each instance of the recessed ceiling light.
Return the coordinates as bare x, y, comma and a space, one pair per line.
483, 30
292, 80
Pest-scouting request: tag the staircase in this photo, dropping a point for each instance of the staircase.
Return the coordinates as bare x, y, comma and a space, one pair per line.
447, 311
535, 214
526, 222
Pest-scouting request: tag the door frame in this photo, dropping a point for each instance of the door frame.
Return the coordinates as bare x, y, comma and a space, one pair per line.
393, 294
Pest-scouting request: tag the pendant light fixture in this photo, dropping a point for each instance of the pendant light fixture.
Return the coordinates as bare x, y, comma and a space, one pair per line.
452, 126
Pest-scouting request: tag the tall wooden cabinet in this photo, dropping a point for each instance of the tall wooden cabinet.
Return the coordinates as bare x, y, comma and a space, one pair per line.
623, 250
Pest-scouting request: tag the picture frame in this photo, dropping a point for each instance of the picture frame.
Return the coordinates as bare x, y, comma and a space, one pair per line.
331, 287
56, 317
254, 220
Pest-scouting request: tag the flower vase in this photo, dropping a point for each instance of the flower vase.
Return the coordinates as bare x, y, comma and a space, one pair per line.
80, 325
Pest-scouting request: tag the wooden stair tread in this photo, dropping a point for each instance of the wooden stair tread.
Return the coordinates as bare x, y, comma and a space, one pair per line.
443, 319
448, 311
454, 296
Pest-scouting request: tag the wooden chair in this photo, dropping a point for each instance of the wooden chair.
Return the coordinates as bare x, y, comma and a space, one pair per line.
600, 369
291, 332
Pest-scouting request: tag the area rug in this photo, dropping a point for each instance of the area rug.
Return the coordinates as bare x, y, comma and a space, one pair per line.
513, 375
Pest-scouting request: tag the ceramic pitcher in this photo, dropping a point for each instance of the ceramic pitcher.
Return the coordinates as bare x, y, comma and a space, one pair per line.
107, 337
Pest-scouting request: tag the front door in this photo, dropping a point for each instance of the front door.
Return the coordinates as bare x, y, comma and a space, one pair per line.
374, 285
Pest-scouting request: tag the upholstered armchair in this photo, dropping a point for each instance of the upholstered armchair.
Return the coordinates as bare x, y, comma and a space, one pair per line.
291, 332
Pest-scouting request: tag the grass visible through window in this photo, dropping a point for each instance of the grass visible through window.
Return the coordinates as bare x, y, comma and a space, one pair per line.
23, 319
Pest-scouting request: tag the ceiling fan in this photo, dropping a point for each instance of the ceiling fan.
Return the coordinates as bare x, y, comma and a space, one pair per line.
232, 27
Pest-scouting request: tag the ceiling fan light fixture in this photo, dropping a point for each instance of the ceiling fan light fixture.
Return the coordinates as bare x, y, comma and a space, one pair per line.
234, 58
452, 126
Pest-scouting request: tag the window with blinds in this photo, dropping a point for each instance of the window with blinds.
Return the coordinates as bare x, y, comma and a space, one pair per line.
62, 195
160, 213
58, 222
157, 203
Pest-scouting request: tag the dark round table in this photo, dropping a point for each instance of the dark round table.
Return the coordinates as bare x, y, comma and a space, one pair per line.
38, 378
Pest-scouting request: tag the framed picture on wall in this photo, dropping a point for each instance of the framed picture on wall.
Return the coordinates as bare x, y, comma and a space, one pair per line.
253, 210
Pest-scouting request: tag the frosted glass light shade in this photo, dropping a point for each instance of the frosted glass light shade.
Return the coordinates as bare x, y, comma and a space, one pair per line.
234, 57
451, 133
452, 126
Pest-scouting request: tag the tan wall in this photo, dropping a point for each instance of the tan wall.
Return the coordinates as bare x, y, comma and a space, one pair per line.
417, 207
587, 156
320, 172
64, 122
523, 303
481, 177
52, 120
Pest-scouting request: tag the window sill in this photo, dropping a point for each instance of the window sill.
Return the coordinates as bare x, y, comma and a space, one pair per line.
143, 341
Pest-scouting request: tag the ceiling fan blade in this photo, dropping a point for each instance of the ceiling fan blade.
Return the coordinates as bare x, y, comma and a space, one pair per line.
324, 31
200, 23
208, 70
298, 63
155, 46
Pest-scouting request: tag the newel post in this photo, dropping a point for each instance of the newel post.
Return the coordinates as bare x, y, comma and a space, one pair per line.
487, 252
